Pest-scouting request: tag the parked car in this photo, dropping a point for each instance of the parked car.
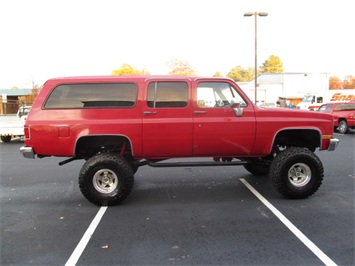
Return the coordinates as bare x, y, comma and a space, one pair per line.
343, 115
23, 111
13, 125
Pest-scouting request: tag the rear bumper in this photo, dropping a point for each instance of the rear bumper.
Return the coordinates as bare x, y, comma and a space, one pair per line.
333, 144
27, 152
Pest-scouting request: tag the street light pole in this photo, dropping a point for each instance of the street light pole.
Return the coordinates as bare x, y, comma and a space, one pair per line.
255, 14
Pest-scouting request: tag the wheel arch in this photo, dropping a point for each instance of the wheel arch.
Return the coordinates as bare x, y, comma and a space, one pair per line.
89, 145
310, 138
342, 119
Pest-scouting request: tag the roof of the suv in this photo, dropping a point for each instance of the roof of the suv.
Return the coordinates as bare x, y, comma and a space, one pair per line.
130, 78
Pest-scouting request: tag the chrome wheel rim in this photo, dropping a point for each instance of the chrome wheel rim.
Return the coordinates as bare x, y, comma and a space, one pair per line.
341, 127
299, 174
105, 181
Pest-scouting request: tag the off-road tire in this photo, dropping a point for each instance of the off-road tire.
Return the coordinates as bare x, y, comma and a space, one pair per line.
296, 173
106, 179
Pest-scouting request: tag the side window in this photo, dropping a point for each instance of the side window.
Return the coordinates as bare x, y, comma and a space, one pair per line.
100, 95
217, 95
345, 106
167, 95
328, 108
337, 107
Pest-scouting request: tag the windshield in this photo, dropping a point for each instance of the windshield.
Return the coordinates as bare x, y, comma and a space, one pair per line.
307, 98
24, 110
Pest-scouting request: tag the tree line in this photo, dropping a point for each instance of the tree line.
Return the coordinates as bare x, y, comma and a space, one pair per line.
336, 84
238, 73
182, 68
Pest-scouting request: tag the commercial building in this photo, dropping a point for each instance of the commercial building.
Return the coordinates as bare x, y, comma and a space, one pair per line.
9, 99
290, 86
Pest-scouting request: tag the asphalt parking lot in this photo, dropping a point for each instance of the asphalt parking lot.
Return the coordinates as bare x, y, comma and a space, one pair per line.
175, 216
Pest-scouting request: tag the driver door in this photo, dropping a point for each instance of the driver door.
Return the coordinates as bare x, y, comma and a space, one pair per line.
218, 131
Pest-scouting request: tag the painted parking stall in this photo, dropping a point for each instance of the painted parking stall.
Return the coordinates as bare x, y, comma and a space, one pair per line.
186, 215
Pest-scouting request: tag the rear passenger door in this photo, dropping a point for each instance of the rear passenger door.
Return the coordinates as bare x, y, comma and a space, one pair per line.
167, 119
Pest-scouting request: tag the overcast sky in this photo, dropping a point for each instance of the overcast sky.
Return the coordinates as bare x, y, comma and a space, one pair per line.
50, 38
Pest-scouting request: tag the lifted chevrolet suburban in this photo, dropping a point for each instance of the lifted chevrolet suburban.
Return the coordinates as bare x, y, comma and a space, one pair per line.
118, 123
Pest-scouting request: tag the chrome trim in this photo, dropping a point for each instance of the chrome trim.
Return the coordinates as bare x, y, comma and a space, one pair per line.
27, 152
333, 144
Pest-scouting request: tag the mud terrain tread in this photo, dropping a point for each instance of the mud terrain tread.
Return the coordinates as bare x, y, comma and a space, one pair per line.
280, 166
121, 168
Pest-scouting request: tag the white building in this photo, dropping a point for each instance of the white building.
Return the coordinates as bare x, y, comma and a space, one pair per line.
271, 86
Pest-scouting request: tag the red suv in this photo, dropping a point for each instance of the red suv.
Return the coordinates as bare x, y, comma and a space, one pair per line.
343, 115
117, 124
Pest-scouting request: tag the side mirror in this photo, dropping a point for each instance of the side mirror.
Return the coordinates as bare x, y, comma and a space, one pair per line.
236, 107
235, 103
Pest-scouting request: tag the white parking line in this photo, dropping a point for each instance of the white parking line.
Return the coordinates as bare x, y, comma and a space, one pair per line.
320, 254
306, 241
86, 237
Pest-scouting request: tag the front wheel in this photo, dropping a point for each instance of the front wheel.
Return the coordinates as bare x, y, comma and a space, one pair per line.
106, 179
296, 173
343, 127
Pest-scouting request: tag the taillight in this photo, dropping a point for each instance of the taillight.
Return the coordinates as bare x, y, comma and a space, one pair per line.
27, 132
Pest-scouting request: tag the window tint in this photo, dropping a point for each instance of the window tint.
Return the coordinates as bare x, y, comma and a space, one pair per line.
345, 106
217, 94
100, 95
167, 94
328, 109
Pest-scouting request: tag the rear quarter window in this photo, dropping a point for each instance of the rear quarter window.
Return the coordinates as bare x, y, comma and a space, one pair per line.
93, 95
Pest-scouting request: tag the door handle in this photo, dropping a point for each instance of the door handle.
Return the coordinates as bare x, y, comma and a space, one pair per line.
200, 112
150, 113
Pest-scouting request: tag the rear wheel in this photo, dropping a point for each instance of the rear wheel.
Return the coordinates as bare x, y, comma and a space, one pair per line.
296, 173
6, 138
106, 179
343, 127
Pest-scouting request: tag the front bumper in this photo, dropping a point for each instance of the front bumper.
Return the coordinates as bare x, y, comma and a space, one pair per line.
27, 152
333, 144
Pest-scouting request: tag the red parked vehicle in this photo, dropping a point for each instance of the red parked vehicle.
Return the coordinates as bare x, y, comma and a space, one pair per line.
343, 114
118, 123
